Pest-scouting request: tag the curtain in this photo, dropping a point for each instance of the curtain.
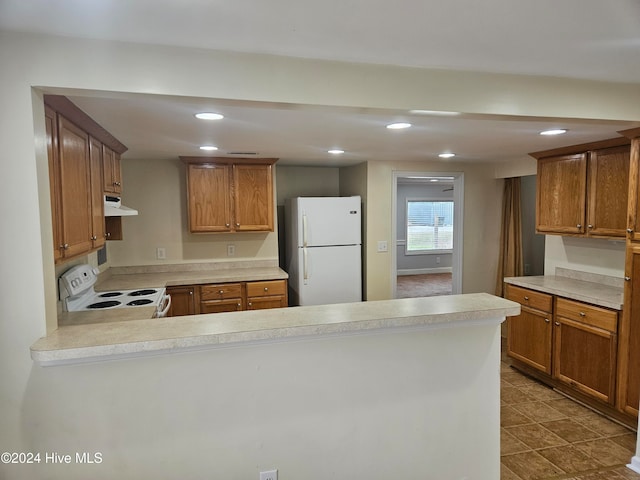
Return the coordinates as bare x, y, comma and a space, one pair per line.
510, 263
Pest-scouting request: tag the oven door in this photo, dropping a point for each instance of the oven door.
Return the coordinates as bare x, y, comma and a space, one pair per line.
165, 305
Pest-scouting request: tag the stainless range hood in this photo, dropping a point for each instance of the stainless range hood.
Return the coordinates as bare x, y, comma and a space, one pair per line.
113, 208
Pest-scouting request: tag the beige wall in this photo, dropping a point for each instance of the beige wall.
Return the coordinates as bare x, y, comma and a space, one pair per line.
157, 189
482, 207
307, 181
28, 293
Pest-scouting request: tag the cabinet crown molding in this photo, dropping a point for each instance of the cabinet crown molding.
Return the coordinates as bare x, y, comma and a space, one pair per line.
583, 147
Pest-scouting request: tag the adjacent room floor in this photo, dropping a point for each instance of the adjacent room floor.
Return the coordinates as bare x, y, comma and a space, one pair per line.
545, 435
424, 285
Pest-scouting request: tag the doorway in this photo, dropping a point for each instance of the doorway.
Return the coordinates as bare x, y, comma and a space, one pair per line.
426, 251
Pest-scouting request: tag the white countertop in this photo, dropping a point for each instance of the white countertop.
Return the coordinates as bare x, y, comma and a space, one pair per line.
104, 341
593, 292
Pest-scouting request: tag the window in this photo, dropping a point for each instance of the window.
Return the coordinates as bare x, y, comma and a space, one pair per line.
429, 226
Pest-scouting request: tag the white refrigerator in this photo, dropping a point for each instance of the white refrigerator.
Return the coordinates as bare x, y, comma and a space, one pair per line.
323, 254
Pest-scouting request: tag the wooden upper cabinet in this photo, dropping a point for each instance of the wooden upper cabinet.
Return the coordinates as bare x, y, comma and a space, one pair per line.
584, 193
75, 188
253, 198
633, 207
112, 176
561, 194
209, 194
97, 199
225, 195
51, 127
608, 192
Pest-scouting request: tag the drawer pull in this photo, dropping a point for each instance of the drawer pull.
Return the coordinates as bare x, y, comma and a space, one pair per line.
546, 320
627, 278
526, 299
582, 314
266, 289
579, 225
557, 324
221, 292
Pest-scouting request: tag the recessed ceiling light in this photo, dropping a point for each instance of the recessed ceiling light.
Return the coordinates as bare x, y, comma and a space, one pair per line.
398, 126
447, 155
434, 113
434, 180
208, 147
557, 131
335, 151
209, 116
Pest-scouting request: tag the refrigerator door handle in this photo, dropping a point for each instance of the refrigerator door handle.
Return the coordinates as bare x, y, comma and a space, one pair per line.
304, 231
304, 266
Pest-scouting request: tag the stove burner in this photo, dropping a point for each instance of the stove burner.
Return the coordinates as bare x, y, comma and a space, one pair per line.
107, 304
140, 301
110, 294
138, 293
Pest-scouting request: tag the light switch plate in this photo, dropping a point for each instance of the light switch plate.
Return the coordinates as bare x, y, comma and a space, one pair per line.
383, 246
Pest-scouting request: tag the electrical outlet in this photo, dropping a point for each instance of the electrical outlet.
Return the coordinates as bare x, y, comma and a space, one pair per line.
231, 250
383, 246
161, 253
269, 475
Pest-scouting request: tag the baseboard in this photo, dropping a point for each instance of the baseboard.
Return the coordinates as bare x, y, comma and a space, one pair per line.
635, 464
424, 271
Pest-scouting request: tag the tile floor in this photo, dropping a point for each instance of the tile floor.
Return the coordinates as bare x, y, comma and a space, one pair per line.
545, 436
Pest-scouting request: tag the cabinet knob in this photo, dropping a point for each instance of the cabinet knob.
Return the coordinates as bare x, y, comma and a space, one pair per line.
65, 246
117, 184
190, 292
94, 238
266, 289
557, 324
590, 226
627, 278
221, 292
227, 225
629, 230
547, 320
579, 225
237, 224
250, 304
526, 298
240, 305
582, 314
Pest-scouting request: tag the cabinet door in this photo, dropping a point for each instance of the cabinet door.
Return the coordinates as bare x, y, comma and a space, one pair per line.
208, 187
633, 223
112, 176
75, 188
629, 366
585, 358
97, 198
561, 194
263, 303
253, 198
529, 338
220, 306
608, 192
182, 301
51, 124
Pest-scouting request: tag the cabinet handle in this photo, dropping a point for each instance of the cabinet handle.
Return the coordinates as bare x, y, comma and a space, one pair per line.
557, 324
526, 298
627, 278
250, 304
227, 225
579, 225
221, 292
65, 246
266, 289
237, 224
590, 226
629, 230
546, 320
582, 314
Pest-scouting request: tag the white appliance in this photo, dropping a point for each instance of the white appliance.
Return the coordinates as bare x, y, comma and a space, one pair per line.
77, 294
323, 254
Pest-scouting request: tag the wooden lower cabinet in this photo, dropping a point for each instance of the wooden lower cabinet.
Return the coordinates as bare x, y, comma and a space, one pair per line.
629, 354
182, 301
529, 334
573, 346
223, 297
269, 294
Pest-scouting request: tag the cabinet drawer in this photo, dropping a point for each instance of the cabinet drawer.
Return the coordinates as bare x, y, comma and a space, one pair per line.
587, 314
530, 298
221, 291
271, 287
220, 306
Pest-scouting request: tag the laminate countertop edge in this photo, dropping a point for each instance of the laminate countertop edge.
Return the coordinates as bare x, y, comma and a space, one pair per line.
108, 341
589, 292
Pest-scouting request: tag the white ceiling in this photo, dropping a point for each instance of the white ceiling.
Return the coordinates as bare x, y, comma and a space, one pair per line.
587, 39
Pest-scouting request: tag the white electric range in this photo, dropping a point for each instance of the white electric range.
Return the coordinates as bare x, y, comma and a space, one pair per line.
77, 294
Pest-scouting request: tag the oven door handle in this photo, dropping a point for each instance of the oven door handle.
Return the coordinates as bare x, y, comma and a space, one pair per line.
163, 312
